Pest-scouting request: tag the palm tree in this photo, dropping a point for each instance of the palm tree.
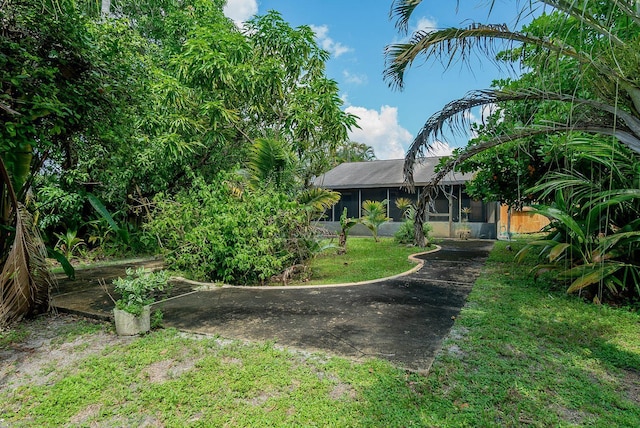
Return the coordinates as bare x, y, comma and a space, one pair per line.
374, 214
599, 39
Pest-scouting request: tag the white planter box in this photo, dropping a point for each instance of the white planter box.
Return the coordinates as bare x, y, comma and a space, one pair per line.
129, 325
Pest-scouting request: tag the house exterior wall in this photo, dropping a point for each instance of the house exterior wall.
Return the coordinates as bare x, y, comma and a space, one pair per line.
522, 221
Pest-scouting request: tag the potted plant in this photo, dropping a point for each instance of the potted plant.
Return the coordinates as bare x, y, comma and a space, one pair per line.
137, 290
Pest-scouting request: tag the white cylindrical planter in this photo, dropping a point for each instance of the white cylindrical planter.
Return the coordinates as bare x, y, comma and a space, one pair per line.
129, 325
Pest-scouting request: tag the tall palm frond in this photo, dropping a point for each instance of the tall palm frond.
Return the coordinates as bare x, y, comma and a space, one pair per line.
602, 51
448, 44
317, 200
403, 9
25, 280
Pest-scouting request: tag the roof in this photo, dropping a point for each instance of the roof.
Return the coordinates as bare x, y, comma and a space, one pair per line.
384, 173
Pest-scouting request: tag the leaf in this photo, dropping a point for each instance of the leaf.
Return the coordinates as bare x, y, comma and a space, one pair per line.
64, 262
557, 251
102, 210
597, 275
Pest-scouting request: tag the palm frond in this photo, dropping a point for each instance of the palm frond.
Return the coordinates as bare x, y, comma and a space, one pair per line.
318, 199
448, 44
269, 161
25, 280
577, 10
402, 10
454, 115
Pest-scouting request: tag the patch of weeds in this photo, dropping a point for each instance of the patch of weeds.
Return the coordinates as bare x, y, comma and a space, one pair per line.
156, 319
79, 328
13, 335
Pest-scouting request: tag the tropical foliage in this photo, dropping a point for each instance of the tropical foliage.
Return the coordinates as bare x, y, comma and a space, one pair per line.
580, 60
594, 237
129, 107
346, 223
215, 234
405, 233
592, 44
374, 215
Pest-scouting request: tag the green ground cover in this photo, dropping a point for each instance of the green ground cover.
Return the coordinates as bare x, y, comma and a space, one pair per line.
521, 353
365, 260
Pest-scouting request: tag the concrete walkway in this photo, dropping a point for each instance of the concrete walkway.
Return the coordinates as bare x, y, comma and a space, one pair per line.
402, 320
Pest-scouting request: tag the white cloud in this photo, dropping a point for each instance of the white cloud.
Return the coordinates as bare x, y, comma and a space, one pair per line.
327, 43
425, 24
381, 130
356, 79
440, 148
345, 99
240, 10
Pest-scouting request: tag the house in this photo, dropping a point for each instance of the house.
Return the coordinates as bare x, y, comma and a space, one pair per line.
378, 180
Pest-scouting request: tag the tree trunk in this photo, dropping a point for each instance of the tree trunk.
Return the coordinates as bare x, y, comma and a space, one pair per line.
418, 221
509, 223
342, 243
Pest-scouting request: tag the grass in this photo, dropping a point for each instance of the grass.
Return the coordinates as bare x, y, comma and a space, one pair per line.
521, 353
365, 260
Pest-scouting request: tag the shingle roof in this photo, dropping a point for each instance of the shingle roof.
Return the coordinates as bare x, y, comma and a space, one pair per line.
383, 173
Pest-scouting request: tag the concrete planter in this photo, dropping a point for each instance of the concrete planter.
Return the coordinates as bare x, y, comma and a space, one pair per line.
464, 233
129, 325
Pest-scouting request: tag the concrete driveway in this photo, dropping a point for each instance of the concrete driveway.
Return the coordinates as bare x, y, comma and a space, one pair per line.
403, 320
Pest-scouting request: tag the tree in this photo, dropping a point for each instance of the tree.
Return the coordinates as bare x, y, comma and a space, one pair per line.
596, 39
352, 151
52, 106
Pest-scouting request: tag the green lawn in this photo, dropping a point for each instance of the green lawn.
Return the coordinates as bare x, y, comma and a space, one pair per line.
520, 354
365, 260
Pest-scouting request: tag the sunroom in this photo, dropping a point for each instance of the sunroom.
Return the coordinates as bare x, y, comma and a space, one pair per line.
381, 180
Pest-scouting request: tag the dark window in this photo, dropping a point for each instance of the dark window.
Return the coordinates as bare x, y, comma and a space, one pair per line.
394, 195
348, 199
373, 195
477, 210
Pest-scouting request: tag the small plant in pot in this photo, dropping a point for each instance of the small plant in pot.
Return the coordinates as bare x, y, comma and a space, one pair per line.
137, 292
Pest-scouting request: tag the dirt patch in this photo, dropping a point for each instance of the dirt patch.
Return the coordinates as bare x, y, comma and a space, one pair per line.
342, 391
85, 414
165, 370
631, 384
40, 356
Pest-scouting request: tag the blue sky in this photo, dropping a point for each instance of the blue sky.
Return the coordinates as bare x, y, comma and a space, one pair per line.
356, 32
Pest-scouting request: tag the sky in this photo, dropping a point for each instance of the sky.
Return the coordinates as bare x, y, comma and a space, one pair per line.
356, 32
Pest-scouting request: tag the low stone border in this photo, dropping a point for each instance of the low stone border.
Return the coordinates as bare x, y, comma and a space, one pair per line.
209, 286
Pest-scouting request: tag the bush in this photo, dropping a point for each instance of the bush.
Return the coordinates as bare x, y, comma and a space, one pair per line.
404, 235
221, 233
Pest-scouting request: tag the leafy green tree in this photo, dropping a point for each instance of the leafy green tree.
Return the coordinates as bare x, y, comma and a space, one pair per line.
215, 234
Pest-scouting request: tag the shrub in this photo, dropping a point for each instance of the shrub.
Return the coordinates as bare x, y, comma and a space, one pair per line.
218, 232
404, 234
